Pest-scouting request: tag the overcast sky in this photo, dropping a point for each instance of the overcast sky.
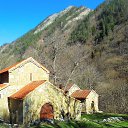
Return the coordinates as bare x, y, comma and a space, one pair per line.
19, 16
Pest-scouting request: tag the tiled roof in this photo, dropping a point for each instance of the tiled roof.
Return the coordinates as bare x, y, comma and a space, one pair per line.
2, 86
14, 65
81, 94
27, 89
6, 69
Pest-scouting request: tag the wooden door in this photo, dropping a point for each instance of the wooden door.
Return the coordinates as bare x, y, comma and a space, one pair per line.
46, 112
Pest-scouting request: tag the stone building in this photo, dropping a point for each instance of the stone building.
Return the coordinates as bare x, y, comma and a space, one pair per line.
26, 95
88, 98
41, 100
15, 77
70, 88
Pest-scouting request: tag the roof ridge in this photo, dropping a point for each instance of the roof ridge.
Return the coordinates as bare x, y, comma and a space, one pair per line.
2, 86
20, 94
80, 94
14, 65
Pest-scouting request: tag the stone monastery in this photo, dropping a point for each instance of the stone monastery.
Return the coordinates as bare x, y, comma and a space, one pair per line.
26, 95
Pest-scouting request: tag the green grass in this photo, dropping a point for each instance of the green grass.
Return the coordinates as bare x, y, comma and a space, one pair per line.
101, 116
122, 124
72, 124
93, 121
84, 124
3, 126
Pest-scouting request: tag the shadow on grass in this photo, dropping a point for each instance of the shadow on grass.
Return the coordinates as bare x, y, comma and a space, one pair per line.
72, 124
101, 116
93, 121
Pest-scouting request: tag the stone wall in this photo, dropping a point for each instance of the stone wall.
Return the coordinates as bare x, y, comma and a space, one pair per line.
5, 93
48, 93
25, 73
15, 110
19, 77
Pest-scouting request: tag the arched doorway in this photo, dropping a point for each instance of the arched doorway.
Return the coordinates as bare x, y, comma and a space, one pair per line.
46, 112
93, 106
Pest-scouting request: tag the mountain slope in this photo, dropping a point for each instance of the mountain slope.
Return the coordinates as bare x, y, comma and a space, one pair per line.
44, 42
89, 48
108, 35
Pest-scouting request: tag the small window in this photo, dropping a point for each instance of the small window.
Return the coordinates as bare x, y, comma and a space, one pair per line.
30, 76
82, 101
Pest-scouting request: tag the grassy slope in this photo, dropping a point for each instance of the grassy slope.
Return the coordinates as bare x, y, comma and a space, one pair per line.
88, 121
3, 126
93, 122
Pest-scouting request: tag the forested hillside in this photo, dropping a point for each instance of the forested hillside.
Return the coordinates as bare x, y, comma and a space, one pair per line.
106, 30
78, 45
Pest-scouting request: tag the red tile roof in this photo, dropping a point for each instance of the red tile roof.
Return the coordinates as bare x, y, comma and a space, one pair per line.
27, 89
14, 65
2, 86
6, 69
81, 94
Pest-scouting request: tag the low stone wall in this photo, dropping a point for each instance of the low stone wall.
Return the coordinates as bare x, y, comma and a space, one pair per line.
4, 110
